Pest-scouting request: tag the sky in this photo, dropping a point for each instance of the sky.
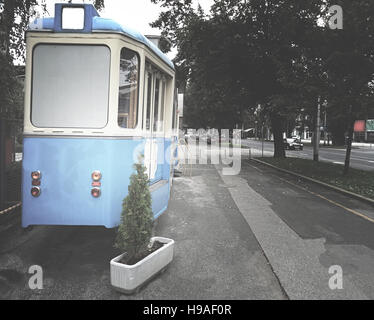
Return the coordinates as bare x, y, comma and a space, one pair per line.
136, 14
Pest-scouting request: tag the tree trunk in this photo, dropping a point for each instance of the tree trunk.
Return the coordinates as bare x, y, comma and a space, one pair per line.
349, 146
276, 124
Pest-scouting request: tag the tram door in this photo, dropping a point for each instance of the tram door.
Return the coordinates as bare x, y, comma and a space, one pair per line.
155, 86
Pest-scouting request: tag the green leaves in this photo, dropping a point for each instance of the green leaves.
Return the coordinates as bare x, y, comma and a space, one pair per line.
98, 4
14, 19
135, 230
241, 54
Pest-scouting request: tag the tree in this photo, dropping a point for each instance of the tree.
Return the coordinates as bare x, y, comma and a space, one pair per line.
273, 53
135, 230
14, 18
350, 67
99, 4
287, 33
243, 54
213, 85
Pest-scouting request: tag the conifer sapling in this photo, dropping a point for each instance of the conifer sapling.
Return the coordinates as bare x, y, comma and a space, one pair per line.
135, 230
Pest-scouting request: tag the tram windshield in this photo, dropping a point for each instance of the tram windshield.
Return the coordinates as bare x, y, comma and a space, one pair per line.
70, 86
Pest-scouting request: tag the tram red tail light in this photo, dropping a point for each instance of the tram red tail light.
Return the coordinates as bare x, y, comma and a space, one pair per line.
35, 175
96, 192
35, 182
96, 175
35, 191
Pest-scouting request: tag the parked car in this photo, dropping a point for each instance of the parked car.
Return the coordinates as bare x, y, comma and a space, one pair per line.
293, 144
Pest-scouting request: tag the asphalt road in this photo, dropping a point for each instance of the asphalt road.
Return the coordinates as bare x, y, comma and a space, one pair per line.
361, 157
304, 229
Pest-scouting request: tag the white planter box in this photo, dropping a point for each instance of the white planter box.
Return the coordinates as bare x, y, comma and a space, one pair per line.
127, 278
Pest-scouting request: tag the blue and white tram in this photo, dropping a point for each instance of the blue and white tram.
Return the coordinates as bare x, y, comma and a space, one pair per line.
96, 95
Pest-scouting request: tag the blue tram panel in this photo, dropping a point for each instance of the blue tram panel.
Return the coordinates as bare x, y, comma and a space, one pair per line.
64, 164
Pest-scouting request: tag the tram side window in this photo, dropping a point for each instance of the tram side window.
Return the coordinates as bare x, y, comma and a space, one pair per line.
156, 106
149, 101
155, 91
159, 105
128, 88
162, 107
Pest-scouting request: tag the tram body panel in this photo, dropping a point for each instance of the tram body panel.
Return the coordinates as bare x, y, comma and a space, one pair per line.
66, 166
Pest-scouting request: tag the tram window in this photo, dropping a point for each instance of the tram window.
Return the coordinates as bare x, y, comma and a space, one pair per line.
128, 89
70, 86
161, 118
155, 113
149, 101
159, 106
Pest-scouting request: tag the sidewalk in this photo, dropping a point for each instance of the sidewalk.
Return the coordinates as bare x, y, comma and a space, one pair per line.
216, 253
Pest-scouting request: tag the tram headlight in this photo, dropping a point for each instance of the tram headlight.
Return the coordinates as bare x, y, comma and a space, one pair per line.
96, 192
36, 175
96, 175
35, 191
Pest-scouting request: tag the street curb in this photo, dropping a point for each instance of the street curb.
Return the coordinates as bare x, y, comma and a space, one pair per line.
345, 192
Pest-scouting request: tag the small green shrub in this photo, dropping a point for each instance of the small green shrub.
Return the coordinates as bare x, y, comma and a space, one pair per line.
135, 230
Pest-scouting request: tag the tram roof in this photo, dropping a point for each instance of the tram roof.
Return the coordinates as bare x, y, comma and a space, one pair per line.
93, 22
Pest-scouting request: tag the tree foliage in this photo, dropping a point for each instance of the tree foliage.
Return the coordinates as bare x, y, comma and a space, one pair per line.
14, 18
243, 54
350, 68
135, 230
276, 54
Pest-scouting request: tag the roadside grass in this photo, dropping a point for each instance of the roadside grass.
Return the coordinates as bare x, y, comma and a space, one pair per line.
357, 181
